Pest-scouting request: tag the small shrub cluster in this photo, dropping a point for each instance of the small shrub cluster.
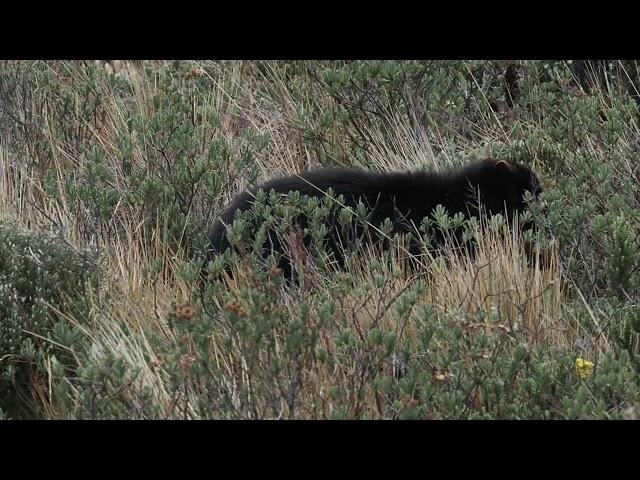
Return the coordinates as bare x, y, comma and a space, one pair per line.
42, 284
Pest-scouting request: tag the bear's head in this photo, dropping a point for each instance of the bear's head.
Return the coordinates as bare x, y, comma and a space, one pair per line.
503, 185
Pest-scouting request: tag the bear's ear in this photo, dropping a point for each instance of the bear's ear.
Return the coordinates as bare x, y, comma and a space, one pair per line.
502, 169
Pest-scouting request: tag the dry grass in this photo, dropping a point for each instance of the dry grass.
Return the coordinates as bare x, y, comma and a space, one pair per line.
134, 299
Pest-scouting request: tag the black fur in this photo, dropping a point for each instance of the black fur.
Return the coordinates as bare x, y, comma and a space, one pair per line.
404, 197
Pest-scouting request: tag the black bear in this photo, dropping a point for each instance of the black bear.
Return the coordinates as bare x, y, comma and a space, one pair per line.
496, 186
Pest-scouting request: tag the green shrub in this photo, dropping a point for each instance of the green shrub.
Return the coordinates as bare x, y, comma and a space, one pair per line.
42, 280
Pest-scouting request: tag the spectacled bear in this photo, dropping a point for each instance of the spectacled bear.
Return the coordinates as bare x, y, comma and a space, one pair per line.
496, 186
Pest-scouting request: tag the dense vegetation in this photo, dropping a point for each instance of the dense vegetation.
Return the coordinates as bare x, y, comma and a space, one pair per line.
111, 172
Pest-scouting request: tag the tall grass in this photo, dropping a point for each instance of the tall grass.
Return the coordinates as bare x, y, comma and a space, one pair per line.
73, 157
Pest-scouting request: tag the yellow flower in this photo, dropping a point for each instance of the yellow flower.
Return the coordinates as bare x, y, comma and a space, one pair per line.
584, 367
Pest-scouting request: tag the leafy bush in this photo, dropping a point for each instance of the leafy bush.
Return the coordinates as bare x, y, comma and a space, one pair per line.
42, 282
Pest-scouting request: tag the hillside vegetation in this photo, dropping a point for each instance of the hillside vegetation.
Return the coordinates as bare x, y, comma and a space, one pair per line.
111, 173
